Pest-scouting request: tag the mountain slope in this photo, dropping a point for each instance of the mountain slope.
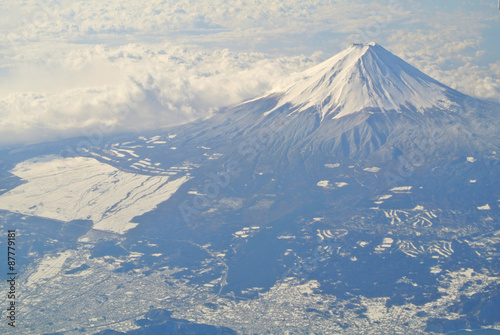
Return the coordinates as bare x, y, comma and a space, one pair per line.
363, 103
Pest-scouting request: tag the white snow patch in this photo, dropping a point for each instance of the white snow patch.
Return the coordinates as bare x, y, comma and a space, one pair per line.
49, 267
215, 155
401, 189
130, 152
116, 153
323, 183
285, 237
332, 166
83, 188
484, 208
471, 159
372, 169
387, 240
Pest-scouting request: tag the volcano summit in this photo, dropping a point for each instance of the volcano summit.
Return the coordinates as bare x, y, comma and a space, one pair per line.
366, 76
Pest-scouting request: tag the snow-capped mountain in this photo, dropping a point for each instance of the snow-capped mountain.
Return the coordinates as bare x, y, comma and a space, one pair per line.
364, 102
364, 193
367, 76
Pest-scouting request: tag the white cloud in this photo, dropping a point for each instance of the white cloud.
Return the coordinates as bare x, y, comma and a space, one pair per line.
161, 85
449, 46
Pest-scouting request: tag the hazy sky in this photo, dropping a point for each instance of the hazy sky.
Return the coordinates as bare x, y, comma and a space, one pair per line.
69, 66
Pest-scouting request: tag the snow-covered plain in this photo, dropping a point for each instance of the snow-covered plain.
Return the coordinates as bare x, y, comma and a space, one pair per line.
83, 188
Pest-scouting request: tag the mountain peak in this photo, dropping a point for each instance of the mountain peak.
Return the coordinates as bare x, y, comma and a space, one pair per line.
366, 45
365, 76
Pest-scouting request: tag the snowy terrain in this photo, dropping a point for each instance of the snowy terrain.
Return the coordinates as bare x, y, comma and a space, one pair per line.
84, 188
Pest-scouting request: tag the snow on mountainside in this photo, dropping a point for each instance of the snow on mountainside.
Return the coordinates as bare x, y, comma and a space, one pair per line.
363, 76
361, 102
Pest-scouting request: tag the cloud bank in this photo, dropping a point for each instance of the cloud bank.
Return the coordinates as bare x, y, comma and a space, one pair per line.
156, 86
